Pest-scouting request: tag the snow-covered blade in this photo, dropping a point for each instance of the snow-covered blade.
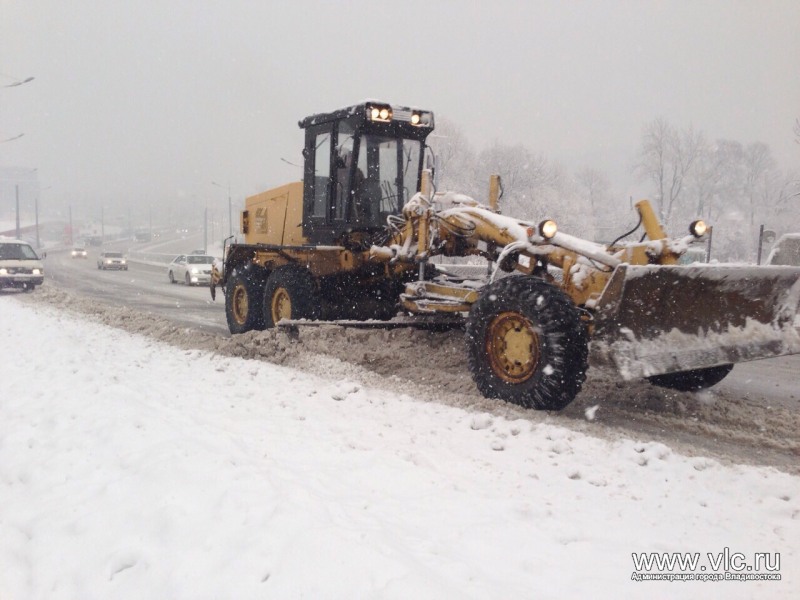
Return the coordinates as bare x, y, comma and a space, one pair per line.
663, 319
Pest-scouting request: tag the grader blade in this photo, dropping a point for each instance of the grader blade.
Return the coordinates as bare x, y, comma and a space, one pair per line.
654, 319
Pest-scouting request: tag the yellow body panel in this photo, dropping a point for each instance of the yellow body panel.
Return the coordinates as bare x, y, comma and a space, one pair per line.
275, 216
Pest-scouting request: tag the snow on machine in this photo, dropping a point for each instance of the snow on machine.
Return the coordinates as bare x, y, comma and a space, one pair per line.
353, 242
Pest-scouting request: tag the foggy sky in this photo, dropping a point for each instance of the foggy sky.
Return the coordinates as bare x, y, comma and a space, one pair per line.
142, 103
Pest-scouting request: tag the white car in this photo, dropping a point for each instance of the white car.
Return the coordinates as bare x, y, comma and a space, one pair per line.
192, 269
20, 266
79, 252
112, 260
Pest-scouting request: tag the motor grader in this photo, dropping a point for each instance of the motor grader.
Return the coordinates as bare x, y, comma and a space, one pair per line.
353, 241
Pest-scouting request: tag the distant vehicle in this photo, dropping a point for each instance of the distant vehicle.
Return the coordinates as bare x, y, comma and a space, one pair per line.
195, 252
112, 260
20, 266
192, 269
94, 240
79, 253
142, 236
786, 251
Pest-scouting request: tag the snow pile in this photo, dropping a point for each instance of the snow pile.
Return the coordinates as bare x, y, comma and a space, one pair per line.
132, 469
430, 365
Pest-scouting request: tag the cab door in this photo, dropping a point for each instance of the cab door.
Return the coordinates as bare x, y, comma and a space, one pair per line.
317, 183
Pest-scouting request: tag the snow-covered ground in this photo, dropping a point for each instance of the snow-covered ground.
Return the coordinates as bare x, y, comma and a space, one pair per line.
133, 469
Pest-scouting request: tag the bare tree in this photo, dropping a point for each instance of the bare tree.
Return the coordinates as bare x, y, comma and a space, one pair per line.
524, 175
666, 159
595, 189
455, 158
759, 177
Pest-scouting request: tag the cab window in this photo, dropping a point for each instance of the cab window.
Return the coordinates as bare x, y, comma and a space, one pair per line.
322, 173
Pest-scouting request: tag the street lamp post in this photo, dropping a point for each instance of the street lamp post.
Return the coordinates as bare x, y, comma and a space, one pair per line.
16, 188
11, 139
36, 209
19, 82
230, 206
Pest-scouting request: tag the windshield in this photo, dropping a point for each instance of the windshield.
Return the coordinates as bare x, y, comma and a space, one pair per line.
113, 254
201, 260
386, 178
17, 252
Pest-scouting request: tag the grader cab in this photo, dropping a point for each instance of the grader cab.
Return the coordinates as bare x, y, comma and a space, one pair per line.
353, 241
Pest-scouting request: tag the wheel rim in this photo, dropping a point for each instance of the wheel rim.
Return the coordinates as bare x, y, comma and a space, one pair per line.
240, 304
512, 345
281, 305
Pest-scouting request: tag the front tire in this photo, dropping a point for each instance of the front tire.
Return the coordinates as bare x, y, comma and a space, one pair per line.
526, 344
290, 293
172, 278
243, 297
692, 381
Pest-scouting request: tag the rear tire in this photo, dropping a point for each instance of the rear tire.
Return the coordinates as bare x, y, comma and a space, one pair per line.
172, 278
290, 293
526, 344
692, 381
243, 294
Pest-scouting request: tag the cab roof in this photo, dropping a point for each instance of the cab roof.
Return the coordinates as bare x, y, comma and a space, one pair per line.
399, 113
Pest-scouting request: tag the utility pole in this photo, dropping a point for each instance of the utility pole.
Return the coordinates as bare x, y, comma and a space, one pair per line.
16, 187
36, 210
230, 205
205, 230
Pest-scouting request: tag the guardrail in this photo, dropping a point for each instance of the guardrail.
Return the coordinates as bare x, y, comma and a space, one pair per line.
158, 259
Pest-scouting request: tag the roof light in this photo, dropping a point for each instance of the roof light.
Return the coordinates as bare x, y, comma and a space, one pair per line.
420, 118
548, 228
380, 113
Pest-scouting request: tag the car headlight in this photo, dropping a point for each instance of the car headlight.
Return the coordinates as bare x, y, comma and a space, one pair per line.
123, 261
195, 271
548, 228
698, 228
3, 271
36, 272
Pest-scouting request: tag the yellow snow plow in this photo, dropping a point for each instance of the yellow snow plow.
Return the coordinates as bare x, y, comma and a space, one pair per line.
654, 320
353, 241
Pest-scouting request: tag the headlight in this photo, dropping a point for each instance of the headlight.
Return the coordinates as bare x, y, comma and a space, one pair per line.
195, 271
698, 228
380, 113
108, 261
548, 228
36, 272
421, 119
123, 261
3, 271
